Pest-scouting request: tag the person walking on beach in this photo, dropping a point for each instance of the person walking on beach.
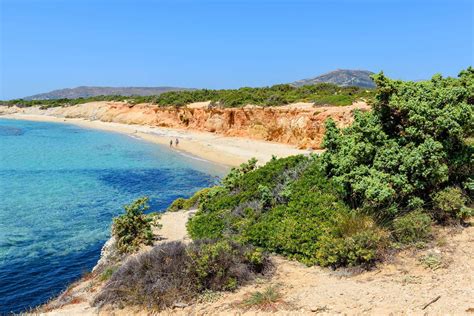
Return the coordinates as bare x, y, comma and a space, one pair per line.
176, 142
171, 143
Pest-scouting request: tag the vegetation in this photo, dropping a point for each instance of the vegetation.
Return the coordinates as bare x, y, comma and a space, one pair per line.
320, 94
186, 204
432, 260
394, 159
287, 206
133, 228
451, 203
383, 180
412, 227
387, 176
173, 273
264, 300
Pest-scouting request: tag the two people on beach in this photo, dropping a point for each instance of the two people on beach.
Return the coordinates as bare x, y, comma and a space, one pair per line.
176, 142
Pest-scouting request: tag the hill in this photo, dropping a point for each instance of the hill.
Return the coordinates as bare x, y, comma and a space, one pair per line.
86, 92
341, 77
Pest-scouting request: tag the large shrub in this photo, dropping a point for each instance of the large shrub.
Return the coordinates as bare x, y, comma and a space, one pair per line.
133, 228
410, 145
173, 273
287, 207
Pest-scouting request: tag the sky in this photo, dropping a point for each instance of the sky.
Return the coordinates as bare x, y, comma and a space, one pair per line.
53, 44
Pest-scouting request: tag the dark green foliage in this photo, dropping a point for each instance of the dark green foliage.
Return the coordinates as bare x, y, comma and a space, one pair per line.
411, 145
320, 94
412, 227
174, 273
133, 228
286, 207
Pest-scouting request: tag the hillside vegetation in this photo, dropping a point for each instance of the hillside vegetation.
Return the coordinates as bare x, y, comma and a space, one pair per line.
384, 179
320, 94
91, 91
380, 186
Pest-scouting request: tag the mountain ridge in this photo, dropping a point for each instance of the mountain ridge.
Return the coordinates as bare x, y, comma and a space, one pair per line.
93, 91
341, 77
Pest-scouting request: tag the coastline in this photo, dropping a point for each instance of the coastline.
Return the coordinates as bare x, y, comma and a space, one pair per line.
229, 151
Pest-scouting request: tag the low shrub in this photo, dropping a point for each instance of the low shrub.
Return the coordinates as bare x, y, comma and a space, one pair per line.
432, 260
451, 203
186, 204
177, 205
353, 240
173, 273
133, 228
412, 227
223, 265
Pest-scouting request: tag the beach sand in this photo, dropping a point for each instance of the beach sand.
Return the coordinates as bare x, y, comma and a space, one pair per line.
230, 151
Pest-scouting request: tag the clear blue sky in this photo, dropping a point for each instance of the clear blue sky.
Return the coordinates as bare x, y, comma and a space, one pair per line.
51, 44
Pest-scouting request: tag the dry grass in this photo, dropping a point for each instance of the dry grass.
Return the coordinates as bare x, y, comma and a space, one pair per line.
177, 274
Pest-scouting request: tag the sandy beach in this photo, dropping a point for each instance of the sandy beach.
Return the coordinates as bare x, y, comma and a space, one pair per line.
230, 151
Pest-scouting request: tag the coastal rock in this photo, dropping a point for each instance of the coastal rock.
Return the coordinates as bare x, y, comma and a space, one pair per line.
109, 255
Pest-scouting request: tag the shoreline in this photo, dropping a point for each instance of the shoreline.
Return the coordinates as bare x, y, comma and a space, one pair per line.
224, 150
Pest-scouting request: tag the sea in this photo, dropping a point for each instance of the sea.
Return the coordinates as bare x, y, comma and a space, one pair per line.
60, 187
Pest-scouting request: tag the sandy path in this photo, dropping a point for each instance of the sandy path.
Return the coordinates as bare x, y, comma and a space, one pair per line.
173, 226
230, 151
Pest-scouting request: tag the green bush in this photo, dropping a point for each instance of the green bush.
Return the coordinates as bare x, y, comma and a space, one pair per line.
283, 207
174, 273
353, 240
410, 145
451, 202
214, 263
186, 204
133, 228
178, 204
412, 227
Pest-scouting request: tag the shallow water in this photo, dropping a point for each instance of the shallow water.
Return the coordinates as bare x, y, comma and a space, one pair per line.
60, 186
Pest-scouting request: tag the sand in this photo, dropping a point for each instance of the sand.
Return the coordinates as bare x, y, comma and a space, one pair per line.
230, 151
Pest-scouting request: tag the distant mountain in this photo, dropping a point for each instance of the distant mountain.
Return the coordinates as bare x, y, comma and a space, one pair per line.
341, 77
84, 92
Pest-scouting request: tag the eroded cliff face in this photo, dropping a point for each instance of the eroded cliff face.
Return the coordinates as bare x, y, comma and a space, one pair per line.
300, 124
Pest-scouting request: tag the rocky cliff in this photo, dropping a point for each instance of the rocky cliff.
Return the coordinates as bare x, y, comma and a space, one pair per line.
300, 124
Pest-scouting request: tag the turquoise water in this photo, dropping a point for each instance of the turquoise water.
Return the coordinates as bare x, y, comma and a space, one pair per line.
60, 186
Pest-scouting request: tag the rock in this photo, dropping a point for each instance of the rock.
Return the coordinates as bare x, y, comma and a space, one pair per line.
180, 305
109, 255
